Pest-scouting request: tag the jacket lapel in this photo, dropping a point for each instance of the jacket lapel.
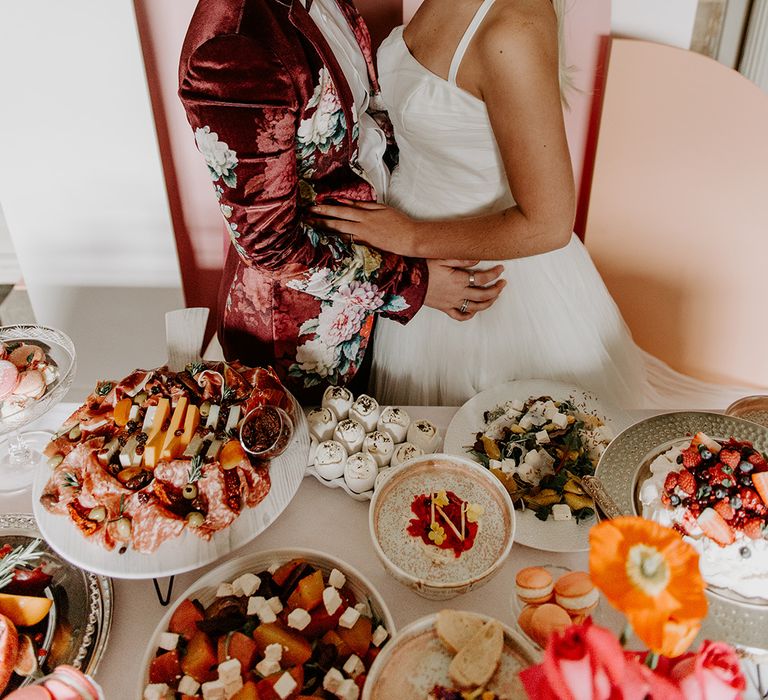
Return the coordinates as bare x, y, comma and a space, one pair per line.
363, 36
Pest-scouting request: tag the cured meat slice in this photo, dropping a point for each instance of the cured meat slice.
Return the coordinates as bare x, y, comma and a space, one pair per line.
151, 524
256, 480
212, 489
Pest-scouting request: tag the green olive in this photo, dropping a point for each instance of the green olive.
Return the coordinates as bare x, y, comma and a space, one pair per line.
75, 433
195, 518
205, 409
98, 514
123, 526
55, 461
189, 492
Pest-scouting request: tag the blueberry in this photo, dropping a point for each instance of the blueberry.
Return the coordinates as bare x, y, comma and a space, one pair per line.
679, 459
736, 502
674, 499
746, 467
745, 552
746, 481
720, 492
705, 454
727, 469
727, 483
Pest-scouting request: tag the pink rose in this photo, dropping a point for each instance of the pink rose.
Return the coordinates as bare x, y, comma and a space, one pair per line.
712, 674
587, 662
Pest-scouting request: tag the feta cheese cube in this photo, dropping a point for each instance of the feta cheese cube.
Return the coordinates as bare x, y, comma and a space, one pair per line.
233, 687
516, 404
526, 422
273, 652
561, 511
348, 690
560, 420
247, 584
157, 691
550, 410
229, 670
336, 579
331, 600
268, 667
214, 690
188, 686
604, 433
379, 636
542, 437
254, 603
333, 680
168, 641
224, 590
285, 685
275, 604
354, 666
364, 609
349, 618
299, 619
273, 568
508, 466
266, 614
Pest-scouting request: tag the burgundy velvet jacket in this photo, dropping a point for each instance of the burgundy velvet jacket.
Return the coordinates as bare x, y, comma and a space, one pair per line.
273, 117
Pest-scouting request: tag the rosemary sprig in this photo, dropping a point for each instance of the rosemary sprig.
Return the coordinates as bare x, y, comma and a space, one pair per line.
195, 368
23, 555
103, 388
195, 469
70, 480
228, 393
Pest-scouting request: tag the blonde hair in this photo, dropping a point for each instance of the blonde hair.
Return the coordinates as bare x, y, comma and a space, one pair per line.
565, 70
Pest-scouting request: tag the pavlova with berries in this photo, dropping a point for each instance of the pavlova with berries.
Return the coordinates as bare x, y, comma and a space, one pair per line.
715, 492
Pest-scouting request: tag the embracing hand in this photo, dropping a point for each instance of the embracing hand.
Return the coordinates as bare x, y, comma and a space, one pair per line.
459, 292
375, 225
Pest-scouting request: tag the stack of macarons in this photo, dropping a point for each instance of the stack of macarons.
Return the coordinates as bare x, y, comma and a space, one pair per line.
551, 605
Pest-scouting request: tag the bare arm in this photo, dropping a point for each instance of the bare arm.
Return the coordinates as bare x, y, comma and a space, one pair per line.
517, 59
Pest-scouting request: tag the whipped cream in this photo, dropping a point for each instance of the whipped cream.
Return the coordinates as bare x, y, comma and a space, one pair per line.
741, 567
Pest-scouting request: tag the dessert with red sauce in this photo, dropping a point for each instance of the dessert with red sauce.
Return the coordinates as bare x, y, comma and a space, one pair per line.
446, 521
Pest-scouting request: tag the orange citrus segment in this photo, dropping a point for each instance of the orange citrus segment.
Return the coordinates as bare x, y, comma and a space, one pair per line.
24, 610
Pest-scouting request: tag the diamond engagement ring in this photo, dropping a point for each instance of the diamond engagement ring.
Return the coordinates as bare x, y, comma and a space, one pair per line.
471, 279
464, 306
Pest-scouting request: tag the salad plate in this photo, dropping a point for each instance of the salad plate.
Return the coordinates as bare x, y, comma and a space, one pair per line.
78, 624
584, 416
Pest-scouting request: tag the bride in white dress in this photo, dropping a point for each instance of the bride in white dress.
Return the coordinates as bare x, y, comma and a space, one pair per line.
485, 173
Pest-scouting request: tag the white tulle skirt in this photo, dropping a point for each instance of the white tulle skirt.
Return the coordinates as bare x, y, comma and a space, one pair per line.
554, 320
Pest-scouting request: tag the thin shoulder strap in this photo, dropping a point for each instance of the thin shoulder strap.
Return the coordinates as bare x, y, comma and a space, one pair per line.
461, 49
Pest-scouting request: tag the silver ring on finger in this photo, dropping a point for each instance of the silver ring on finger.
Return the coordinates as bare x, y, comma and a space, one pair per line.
464, 306
472, 279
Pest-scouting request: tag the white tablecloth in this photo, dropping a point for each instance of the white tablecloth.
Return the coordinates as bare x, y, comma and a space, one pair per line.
318, 518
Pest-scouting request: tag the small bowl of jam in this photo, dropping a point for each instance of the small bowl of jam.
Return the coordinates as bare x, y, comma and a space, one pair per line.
266, 432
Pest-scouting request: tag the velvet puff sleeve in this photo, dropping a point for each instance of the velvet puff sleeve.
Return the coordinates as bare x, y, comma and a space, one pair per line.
247, 117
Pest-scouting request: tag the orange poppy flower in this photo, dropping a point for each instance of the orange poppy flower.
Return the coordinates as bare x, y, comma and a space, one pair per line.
650, 574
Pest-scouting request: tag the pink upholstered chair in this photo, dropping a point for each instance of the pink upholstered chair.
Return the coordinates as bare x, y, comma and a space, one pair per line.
678, 212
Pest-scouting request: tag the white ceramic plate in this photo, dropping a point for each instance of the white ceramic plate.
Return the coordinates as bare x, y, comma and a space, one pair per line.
549, 536
188, 551
204, 590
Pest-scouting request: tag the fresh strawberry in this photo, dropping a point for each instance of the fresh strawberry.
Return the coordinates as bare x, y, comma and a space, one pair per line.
702, 439
753, 528
715, 527
670, 482
725, 509
751, 501
687, 482
688, 523
716, 476
691, 458
730, 457
761, 484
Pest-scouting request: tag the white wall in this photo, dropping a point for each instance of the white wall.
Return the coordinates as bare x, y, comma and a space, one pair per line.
80, 177
664, 21
9, 265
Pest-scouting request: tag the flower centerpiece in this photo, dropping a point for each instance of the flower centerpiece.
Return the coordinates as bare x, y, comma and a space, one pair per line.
652, 576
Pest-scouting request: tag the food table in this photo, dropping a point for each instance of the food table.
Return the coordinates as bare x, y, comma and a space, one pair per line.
318, 518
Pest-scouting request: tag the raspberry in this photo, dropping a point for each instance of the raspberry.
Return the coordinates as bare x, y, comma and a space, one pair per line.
753, 528
730, 457
716, 476
691, 458
725, 509
665, 498
687, 482
757, 460
670, 482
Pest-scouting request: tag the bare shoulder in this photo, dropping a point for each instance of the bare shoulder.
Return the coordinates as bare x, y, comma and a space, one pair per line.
519, 30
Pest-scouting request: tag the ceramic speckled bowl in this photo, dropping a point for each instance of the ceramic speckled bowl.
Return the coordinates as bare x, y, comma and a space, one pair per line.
431, 572
415, 661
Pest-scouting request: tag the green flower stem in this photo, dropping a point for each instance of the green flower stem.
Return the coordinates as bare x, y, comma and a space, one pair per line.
652, 660
625, 634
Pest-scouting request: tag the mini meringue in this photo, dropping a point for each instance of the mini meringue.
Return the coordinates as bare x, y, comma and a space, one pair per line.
322, 422
350, 434
338, 399
424, 434
360, 472
330, 458
394, 421
403, 452
380, 446
366, 411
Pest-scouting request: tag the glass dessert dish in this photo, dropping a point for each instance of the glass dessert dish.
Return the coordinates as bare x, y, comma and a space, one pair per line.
266, 432
36, 370
752, 408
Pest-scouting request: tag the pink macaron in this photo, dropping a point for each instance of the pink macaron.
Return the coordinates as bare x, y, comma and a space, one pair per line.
9, 377
26, 355
31, 384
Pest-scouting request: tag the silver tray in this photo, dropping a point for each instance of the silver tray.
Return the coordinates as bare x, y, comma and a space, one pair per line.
625, 465
82, 602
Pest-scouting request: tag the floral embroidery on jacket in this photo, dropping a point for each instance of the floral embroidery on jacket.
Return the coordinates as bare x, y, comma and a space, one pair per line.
348, 300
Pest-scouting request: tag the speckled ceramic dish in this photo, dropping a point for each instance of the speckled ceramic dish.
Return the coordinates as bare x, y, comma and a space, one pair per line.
415, 661
431, 572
